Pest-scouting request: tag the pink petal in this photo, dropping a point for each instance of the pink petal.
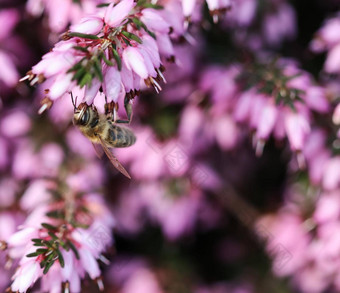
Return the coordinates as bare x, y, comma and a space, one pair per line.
188, 7
112, 83
60, 86
336, 115
58, 14
151, 48
8, 72
89, 263
316, 99
331, 175
91, 92
9, 17
243, 106
90, 25
135, 61
226, 132
330, 32
26, 276
327, 208
165, 46
115, 14
297, 127
332, 64
54, 62
154, 21
15, 124
148, 63
258, 103
266, 121
127, 78
22, 237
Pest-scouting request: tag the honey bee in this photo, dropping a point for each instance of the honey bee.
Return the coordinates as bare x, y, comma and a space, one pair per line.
100, 129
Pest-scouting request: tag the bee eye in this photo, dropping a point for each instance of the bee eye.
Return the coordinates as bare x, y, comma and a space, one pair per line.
85, 118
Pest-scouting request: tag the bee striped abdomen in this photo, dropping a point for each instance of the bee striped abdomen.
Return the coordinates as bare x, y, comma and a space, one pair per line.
120, 137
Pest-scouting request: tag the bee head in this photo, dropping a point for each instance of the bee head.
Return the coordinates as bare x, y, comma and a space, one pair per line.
83, 114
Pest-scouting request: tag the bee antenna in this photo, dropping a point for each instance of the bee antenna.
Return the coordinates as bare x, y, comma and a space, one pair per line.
74, 103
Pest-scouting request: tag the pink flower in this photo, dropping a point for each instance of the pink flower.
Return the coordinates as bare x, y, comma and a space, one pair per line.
214, 5
331, 176
242, 12
316, 99
112, 85
108, 50
188, 7
71, 261
266, 121
116, 13
327, 36
8, 71
226, 132
16, 123
27, 275
336, 115
134, 61
327, 208
88, 25
297, 128
155, 21
273, 30
332, 63
61, 13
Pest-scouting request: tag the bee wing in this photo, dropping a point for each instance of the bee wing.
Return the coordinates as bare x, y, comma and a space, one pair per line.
99, 151
113, 159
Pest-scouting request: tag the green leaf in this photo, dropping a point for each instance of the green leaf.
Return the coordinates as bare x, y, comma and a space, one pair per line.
53, 236
63, 244
56, 214
132, 36
153, 6
75, 67
86, 80
108, 62
74, 249
151, 34
61, 259
103, 5
33, 254
47, 267
117, 58
41, 250
98, 69
81, 35
79, 74
127, 42
49, 226
48, 244
82, 49
137, 22
37, 240
140, 2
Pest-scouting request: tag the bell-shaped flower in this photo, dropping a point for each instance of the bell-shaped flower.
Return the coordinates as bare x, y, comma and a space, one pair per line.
134, 61
115, 14
89, 25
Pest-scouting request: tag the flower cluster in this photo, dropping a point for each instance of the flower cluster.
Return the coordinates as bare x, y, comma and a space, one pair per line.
279, 100
201, 203
61, 13
112, 51
309, 238
61, 241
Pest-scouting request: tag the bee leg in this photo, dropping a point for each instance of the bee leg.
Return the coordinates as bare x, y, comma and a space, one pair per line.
111, 110
128, 110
